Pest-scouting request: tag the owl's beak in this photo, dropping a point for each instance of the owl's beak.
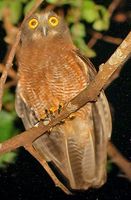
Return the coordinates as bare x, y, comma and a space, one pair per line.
44, 30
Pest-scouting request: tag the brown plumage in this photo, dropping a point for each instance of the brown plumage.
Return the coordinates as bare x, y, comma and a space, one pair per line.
51, 72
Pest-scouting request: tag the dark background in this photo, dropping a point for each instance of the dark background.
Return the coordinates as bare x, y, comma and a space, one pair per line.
27, 180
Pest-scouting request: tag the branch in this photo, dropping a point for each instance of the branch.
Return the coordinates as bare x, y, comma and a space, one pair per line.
9, 62
112, 7
89, 94
119, 160
99, 36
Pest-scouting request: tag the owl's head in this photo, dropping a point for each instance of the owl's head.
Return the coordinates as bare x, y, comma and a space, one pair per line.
43, 25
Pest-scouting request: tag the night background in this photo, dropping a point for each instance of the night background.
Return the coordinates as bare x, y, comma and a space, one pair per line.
21, 176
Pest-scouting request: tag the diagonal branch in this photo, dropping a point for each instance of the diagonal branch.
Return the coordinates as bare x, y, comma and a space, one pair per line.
118, 58
119, 160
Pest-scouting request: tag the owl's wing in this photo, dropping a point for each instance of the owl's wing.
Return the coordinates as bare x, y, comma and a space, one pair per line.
24, 112
102, 124
86, 64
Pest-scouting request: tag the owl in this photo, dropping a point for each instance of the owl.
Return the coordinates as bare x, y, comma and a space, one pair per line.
51, 72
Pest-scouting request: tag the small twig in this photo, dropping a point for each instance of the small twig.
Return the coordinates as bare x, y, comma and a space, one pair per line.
119, 160
100, 36
11, 73
112, 7
7, 67
11, 83
43, 162
11, 30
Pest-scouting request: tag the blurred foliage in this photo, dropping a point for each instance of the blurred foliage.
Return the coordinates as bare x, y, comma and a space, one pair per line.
80, 14
7, 125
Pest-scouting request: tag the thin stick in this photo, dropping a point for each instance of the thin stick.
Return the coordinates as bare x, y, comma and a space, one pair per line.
43, 162
119, 160
112, 7
100, 36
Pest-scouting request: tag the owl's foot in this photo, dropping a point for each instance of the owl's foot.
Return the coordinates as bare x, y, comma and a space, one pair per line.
60, 108
53, 109
49, 114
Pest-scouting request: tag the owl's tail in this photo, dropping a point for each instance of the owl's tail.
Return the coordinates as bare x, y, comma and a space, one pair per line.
78, 148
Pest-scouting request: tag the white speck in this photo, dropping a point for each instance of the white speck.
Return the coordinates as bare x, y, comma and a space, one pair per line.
101, 67
117, 57
124, 45
37, 124
71, 107
46, 122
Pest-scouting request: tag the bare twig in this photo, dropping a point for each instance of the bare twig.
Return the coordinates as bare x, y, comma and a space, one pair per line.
119, 160
11, 83
11, 73
43, 162
99, 36
10, 29
112, 7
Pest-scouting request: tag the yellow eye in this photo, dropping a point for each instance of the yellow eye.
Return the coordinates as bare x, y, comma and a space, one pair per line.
53, 21
33, 23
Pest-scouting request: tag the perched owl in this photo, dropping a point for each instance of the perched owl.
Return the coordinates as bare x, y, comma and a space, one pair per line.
52, 71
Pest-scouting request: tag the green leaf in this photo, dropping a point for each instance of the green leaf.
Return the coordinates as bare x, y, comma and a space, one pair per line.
78, 30
73, 15
29, 6
80, 43
88, 4
98, 25
89, 11
102, 23
51, 1
7, 158
2, 6
74, 3
90, 15
109, 166
16, 11
7, 128
24, 1
8, 97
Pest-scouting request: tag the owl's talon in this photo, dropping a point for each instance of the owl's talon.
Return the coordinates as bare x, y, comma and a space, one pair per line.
72, 116
60, 108
46, 121
52, 109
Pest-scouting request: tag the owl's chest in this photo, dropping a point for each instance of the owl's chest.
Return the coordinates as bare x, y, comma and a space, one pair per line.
52, 79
